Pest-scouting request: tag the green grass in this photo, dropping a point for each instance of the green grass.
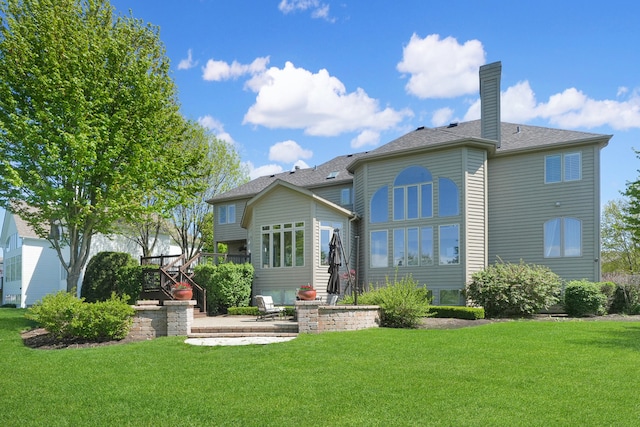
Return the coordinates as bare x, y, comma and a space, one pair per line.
502, 374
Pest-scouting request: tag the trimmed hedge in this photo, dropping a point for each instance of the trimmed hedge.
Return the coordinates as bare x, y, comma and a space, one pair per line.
228, 285
583, 298
457, 312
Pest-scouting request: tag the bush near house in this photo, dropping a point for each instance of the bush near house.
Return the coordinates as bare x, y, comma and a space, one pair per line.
68, 317
102, 274
582, 298
227, 285
402, 302
506, 289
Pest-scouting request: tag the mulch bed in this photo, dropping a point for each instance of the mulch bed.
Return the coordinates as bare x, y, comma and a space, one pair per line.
41, 339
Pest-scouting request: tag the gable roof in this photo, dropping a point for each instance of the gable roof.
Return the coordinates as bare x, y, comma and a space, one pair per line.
283, 184
333, 172
514, 138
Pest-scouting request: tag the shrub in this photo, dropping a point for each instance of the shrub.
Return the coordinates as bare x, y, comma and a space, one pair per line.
227, 285
101, 276
457, 312
68, 317
582, 298
608, 289
514, 289
626, 299
403, 303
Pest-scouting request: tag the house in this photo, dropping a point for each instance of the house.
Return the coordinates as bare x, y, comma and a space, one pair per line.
33, 269
439, 204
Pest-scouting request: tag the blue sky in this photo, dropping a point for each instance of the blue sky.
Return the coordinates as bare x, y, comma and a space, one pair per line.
297, 82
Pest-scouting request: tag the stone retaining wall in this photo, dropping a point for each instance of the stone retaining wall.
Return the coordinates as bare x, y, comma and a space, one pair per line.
314, 317
152, 320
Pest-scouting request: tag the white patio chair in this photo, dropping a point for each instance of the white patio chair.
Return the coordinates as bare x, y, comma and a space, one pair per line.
266, 308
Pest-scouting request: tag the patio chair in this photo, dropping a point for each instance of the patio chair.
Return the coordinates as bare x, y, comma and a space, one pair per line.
266, 309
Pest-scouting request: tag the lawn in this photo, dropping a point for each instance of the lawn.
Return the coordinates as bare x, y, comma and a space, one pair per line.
501, 374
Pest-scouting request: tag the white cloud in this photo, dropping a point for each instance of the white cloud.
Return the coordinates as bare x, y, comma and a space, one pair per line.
442, 117
264, 170
288, 152
216, 127
318, 10
187, 63
221, 70
295, 98
366, 137
441, 68
568, 109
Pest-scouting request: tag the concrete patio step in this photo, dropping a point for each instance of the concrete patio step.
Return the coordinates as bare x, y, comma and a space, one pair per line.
242, 326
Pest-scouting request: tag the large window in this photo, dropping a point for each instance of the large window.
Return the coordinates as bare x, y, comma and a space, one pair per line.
412, 246
449, 244
380, 205
379, 249
412, 194
283, 245
326, 232
13, 268
227, 214
562, 167
562, 238
448, 198
426, 246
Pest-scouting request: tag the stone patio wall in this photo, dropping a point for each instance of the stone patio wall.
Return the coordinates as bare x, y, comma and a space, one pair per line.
153, 320
314, 317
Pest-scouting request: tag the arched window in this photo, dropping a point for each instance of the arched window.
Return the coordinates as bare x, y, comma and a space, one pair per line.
413, 194
448, 198
380, 205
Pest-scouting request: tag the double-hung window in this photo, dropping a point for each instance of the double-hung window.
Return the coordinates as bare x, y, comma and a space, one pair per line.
227, 214
562, 238
562, 167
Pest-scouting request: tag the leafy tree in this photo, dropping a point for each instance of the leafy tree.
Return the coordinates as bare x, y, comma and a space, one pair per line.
89, 122
620, 251
192, 221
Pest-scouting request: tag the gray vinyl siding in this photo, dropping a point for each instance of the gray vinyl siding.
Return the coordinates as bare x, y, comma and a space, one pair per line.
446, 164
475, 212
282, 282
334, 194
230, 232
520, 202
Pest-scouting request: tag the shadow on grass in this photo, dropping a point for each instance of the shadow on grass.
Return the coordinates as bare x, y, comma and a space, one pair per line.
626, 337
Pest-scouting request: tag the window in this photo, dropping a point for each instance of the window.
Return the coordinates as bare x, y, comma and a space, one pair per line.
227, 214
412, 194
562, 238
345, 196
426, 246
380, 205
326, 232
449, 244
283, 245
562, 167
406, 247
450, 297
449, 204
13, 269
379, 249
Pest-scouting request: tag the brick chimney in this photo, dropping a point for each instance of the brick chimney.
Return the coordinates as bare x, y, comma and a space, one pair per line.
490, 101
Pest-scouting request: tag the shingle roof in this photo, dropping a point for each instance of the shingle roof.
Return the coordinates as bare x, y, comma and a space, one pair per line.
306, 178
514, 137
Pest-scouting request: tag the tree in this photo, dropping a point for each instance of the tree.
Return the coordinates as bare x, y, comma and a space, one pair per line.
192, 221
620, 251
89, 122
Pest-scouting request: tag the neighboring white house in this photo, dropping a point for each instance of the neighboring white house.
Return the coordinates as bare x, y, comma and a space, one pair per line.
32, 268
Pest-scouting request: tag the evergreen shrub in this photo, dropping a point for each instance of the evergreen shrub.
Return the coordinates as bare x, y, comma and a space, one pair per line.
227, 285
582, 298
102, 275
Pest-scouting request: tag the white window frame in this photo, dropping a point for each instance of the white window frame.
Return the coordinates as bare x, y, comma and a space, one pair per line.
565, 172
229, 216
278, 231
563, 244
384, 253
